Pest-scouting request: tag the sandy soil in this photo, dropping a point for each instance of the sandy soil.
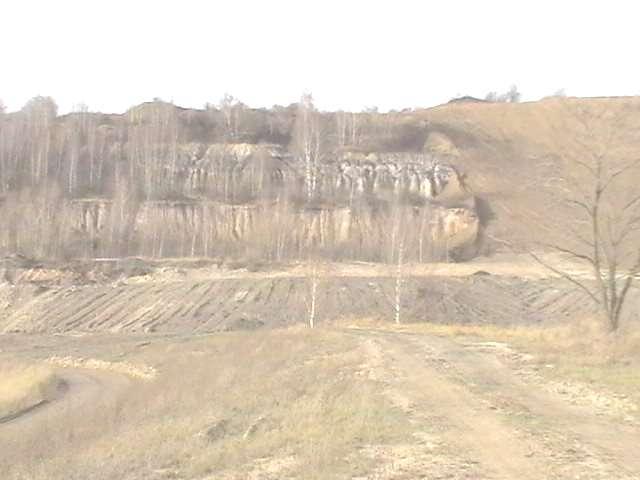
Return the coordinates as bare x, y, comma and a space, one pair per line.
480, 418
185, 299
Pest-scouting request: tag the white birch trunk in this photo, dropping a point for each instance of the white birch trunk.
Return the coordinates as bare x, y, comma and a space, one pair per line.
398, 296
314, 294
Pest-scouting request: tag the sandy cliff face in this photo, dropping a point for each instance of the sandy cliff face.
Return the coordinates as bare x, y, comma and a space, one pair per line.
248, 199
279, 228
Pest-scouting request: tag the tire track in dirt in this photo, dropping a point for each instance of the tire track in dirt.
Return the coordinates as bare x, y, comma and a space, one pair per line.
241, 300
88, 310
166, 309
216, 308
200, 313
189, 300
103, 320
111, 298
56, 308
192, 301
125, 322
66, 321
56, 305
483, 407
455, 424
135, 302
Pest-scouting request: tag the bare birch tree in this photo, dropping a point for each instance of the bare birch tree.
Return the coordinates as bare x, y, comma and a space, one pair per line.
398, 243
313, 292
600, 186
341, 126
40, 112
308, 139
231, 110
398, 284
355, 129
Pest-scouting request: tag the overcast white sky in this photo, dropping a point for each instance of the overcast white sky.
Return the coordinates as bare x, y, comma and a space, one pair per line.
112, 54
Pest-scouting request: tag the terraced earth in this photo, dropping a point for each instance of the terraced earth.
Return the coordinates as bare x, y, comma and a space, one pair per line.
207, 299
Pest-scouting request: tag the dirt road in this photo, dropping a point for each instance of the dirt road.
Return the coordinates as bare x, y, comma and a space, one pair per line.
481, 413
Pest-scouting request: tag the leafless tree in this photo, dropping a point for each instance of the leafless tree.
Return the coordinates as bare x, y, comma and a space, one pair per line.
39, 113
399, 281
510, 96
398, 245
599, 186
232, 112
308, 143
355, 128
153, 136
513, 95
341, 120
314, 278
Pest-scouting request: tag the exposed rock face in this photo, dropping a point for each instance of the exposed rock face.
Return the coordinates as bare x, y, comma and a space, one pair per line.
255, 167
219, 199
360, 198
456, 232
277, 229
395, 174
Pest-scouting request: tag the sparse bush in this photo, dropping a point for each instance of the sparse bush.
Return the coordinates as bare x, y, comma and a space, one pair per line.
510, 96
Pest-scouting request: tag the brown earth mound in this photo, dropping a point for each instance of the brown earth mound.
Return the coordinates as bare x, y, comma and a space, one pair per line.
179, 300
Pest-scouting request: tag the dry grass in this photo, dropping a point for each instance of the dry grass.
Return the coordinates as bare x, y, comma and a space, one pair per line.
580, 350
23, 386
236, 405
584, 338
268, 404
141, 372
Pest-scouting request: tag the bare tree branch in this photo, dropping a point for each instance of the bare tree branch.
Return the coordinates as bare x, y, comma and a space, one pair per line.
626, 286
566, 276
620, 171
570, 253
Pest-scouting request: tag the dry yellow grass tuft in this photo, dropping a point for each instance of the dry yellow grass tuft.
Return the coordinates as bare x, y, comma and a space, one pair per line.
142, 372
22, 387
